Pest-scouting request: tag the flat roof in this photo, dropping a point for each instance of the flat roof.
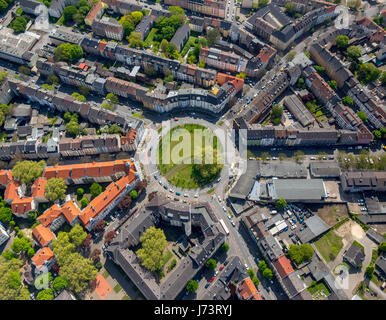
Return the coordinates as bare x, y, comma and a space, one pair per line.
297, 189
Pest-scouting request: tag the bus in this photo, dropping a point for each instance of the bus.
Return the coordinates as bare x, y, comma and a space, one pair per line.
224, 226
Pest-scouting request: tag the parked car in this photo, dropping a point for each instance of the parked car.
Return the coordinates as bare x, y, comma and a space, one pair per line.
293, 227
221, 267
207, 285
233, 223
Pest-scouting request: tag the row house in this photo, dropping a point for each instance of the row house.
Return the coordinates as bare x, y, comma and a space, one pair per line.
96, 12
219, 59
207, 7
108, 27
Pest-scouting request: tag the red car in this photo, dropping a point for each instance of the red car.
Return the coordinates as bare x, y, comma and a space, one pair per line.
222, 267
211, 280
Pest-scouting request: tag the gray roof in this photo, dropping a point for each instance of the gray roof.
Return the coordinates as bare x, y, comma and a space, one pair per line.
244, 185
315, 227
297, 189
354, 255
282, 169
293, 284
325, 169
299, 110
375, 236
65, 295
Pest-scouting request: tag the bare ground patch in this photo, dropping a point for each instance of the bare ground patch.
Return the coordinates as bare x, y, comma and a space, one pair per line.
331, 213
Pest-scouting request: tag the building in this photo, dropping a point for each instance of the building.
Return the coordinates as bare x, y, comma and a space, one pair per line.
32, 7
222, 60
325, 170
380, 267
108, 27
283, 266
358, 181
315, 227
43, 260
96, 12
186, 217
181, 36
57, 6
246, 290
207, 7
299, 110
295, 190
144, 27
354, 256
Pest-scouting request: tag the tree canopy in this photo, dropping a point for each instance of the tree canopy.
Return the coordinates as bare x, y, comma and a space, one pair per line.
267, 273
95, 189
10, 280
68, 52
46, 294
55, 189
27, 171
77, 235
192, 286
211, 264
341, 41
59, 284
212, 36
362, 116
19, 24
300, 253
5, 214
354, 52
153, 244
368, 73
112, 98
280, 204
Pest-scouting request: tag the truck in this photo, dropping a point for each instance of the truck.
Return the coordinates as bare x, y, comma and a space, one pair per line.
224, 227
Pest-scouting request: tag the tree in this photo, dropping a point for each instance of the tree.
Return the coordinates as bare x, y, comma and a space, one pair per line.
362, 116
107, 106
55, 189
95, 189
280, 204
382, 246
241, 75
333, 84
299, 155
84, 90
251, 273
267, 273
27, 171
52, 79
354, 4
225, 247
263, 3
79, 193
301, 253
301, 83
10, 281
68, 52
3, 75
255, 281
99, 225
112, 98
8, 255
319, 69
78, 271
133, 194
354, 52
192, 286
59, 284
290, 8
3, 5
77, 235
347, 101
125, 203
78, 96
5, 214
24, 70
141, 185
46, 294
114, 129
68, 13
265, 156
135, 40
277, 111
84, 202
19, 24
153, 242
211, 264
87, 242
212, 36
94, 256
110, 236
341, 41
368, 73
370, 271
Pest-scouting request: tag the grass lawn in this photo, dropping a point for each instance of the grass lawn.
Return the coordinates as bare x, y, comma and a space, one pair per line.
150, 37
126, 298
190, 43
117, 288
210, 191
60, 21
180, 142
106, 274
356, 243
329, 245
138, 115
319, 291
166, 257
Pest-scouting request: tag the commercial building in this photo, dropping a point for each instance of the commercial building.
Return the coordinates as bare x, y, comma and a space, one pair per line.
358, 181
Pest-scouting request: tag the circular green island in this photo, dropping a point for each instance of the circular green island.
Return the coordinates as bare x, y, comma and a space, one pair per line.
190, 156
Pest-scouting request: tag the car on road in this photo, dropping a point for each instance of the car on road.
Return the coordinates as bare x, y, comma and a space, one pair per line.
160, 182
207, 285
176, 199
218, 180
171, 190
219, 198
246, 266
312, 158
225, 209
186, 195
196, 195
216, 273
229, 217
221, 267
155, 177
169, 196
293, 227
165, 187
177, 193
233, 223
363, 209
211, 280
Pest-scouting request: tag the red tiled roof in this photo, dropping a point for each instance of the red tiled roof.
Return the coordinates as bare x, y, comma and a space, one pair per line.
21, 205
70, 211
38, 187
43, 235
50, 215
43, 255
283, 266
5, 176
11, 190
248, 291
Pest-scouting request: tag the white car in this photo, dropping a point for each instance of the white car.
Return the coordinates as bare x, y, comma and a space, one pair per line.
293, 227
186, 195
219, 198
229, 217
216, 273
171, 190
233, 223
196, 195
